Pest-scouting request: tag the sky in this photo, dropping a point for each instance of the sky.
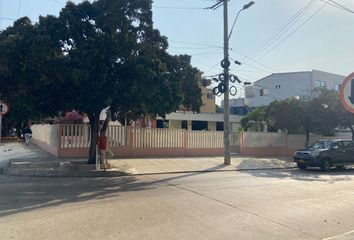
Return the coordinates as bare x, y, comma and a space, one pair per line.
271, 36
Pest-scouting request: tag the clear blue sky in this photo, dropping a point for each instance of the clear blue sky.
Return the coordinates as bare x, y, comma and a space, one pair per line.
321, 37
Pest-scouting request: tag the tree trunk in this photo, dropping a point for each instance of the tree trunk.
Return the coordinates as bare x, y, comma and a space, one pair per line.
352, 130
94, 123
307, 139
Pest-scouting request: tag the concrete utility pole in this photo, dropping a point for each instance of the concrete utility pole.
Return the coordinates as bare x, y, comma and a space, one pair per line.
223, 86
227, 160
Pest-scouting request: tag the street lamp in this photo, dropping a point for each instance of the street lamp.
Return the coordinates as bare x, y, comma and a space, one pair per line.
248, 5
226, 64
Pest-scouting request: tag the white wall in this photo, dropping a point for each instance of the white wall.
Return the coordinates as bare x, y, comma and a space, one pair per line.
280, 86
287, 85
175, 124
212, 126
329, 78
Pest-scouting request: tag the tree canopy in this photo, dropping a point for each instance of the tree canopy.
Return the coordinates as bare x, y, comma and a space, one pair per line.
94, 55
320, 114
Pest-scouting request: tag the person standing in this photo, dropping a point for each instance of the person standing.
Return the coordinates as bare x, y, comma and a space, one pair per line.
27, 132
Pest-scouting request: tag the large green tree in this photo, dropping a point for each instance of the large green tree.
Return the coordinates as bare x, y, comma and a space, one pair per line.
255, 120
24, 68
321, 113
286, 115
106, 53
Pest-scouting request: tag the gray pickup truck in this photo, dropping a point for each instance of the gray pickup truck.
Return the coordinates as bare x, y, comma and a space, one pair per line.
326, 154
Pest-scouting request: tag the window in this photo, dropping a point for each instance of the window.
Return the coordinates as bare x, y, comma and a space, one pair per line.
249, 92
337, 87
347, 144
210, 96
320, 84
263, 92
338, 144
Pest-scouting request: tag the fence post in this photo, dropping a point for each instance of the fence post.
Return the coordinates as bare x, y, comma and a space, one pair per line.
286, 143
185, 141
130, 139
241, 143
59, 130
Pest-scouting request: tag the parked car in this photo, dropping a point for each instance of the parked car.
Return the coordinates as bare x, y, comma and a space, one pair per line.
326, 154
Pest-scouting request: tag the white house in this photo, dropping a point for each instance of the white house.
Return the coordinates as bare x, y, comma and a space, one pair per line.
279, 86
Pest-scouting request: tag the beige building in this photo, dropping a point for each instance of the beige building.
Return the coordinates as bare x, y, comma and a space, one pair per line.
208, 100
207, 119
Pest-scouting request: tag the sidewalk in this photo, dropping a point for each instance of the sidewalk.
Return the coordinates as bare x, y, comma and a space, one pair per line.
201, 164
21, 160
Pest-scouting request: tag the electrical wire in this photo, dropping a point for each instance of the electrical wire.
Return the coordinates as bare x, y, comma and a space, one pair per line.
337, 5
275, 36
179, 8
19, 8
284, 28
60, 3
1, 14
190, 48
196, 44
5, 18
300, 13
255, 61
216, 46
294, 31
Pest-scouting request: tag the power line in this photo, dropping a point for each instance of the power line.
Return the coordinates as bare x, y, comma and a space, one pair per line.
191, 48
300, 13
1, 14
204, 53
280, 32
5, 18
60, 3
196, 44
254, 61
298, 28
285, 27
337, 5
216, 46
19, 8
179, 8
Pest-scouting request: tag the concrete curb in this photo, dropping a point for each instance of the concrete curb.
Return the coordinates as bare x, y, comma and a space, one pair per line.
61, 169
218, 170
56, 173
114, 172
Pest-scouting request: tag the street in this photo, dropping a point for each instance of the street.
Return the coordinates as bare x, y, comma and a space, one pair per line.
258, 204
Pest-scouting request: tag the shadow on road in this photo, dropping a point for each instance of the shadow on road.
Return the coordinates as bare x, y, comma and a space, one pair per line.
22, 194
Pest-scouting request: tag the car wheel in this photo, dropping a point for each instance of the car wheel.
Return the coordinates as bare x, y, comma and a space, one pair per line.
325, 165
301, 166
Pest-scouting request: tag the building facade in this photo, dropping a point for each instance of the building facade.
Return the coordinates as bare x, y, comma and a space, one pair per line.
279, 86
207, 119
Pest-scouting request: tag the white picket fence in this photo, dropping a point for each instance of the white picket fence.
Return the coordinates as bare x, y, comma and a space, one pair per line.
45, 133
267, 139
157, 138
78, 136
205, 139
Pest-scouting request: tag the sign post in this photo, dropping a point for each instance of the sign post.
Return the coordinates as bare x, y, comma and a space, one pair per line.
346, 93
3, 110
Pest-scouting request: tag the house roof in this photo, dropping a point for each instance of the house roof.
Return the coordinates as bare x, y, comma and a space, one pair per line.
209, 117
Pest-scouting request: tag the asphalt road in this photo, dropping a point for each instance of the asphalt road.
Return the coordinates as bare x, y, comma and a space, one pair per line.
261, 204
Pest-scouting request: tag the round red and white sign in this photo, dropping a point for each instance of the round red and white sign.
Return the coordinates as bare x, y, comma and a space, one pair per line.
3, 108
346, 93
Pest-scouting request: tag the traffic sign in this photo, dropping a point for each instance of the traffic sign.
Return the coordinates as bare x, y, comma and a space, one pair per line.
346, 93
3, 108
